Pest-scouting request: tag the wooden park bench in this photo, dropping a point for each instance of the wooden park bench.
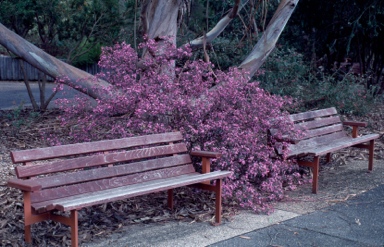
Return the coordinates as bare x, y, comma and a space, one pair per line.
323, 133
68, 178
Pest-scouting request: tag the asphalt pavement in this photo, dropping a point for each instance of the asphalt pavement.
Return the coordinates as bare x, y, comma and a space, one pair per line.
13, 94
357, 222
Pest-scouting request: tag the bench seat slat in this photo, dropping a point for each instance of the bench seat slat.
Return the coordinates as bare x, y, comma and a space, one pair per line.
103, 184
97, 160
90, 147
114, 171
95, 198
336, 144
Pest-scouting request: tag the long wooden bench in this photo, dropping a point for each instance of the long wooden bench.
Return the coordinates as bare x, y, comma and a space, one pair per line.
70, 177
323, 133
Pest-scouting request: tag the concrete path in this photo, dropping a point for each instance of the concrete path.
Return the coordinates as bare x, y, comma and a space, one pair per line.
357, 222
304, 219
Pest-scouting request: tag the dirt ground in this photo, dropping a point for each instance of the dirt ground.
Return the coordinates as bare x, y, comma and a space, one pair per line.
345, 177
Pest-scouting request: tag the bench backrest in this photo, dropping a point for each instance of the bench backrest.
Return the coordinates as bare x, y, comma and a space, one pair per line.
319, 126
86, 167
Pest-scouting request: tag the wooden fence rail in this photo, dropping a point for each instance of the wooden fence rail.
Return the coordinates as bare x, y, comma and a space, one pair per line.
10, 70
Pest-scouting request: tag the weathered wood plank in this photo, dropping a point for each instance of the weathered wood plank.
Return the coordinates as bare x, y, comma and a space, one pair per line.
104, 184
316, 123
296, 149
114, 171
24, 185
100, 159
358, 124
317, 149
90, 147
99, 197
313, 114
322, 131
206, 154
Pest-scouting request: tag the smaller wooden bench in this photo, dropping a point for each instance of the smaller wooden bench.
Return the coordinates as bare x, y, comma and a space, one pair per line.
323, 133
70, 177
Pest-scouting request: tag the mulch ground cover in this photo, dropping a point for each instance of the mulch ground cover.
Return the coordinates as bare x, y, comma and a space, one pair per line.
21, 129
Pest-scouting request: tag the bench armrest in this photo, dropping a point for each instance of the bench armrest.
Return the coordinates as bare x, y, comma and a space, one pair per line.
287, 139
206, 154
355, 126
24, 185
206, 159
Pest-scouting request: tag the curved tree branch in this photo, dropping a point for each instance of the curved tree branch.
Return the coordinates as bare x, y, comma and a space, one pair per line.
269, 38
78, 79
220, 26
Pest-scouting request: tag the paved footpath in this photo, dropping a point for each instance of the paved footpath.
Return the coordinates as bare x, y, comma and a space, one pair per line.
356, 222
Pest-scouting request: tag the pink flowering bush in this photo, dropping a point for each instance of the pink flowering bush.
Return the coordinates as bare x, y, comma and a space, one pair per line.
215, 110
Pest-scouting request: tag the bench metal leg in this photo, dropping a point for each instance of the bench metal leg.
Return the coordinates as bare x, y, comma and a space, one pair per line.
371, 149
314, 165
218, 201
30, 218
74, 228
170, 199
329, 157
27, 217
72, 222
315, 170
27, 234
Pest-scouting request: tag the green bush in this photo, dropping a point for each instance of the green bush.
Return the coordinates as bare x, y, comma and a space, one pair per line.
286, 73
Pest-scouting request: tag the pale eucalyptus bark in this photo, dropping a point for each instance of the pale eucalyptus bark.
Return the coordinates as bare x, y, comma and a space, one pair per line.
220, 26
159, 20
268, 40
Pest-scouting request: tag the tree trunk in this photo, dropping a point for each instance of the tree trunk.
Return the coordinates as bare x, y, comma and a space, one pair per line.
78, 79
269, 38
160, 20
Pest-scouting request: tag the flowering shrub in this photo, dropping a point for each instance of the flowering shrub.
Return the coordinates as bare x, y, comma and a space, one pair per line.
215, 110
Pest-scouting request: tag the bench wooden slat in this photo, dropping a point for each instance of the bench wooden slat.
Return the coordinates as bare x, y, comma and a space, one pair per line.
103, 184
296, 149
114, 171
97, 160
90, 147
95, 198
317, 123
323, 147
339, 144
323, 131
313, 114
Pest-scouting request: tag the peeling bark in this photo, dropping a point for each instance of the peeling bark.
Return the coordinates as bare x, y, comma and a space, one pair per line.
268, 40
